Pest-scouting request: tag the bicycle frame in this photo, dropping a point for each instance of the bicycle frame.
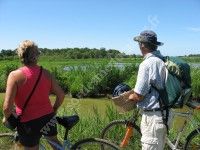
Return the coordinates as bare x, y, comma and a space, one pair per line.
188, 115
66, 144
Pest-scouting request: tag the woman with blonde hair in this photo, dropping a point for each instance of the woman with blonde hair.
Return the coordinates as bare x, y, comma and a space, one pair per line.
39, 110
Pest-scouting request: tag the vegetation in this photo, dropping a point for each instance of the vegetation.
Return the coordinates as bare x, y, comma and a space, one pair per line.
195, 73
84, 72
88, 77
71, 53
81, 78
95, 115
192, 59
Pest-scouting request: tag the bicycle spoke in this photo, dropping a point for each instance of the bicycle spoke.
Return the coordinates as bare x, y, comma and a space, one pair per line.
116, 133
94, 144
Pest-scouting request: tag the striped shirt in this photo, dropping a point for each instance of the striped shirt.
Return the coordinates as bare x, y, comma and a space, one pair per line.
151, 72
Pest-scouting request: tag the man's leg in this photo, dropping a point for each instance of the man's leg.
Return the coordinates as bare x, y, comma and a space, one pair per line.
150, 146
153, 132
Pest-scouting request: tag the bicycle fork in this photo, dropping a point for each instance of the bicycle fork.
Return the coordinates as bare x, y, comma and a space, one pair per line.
128, 134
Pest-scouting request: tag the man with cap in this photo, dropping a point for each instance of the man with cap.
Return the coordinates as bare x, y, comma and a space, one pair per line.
151, 72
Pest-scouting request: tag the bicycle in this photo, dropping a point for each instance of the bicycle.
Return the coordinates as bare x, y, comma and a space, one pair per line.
9, 141
116, 131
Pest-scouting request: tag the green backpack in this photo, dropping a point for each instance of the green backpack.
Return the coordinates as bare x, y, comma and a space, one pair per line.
177, 89
178, 83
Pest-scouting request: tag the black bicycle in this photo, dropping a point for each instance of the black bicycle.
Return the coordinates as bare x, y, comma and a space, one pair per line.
9, 141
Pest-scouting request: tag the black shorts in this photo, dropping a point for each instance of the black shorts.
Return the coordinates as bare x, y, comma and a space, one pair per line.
30, 132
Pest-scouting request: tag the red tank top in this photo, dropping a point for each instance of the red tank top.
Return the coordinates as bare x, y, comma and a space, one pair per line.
39, 104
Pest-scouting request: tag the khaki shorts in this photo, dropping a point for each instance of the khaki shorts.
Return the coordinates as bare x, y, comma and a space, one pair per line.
153, 131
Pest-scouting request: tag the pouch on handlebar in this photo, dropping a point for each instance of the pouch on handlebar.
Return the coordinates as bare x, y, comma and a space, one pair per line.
13, 121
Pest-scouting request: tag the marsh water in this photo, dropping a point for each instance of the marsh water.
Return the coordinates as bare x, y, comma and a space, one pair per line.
120, 66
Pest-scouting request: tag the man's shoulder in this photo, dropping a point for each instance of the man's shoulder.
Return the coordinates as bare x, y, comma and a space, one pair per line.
149, 61
152, 60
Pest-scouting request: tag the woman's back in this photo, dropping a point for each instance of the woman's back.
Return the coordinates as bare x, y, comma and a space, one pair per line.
39, 104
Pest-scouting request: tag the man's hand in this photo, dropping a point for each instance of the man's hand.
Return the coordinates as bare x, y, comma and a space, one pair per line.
135, 97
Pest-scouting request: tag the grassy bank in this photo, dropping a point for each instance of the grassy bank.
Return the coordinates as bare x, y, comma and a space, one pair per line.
95, 114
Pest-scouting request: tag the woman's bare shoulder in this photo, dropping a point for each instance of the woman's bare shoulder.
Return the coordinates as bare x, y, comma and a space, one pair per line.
16, 73
16, 76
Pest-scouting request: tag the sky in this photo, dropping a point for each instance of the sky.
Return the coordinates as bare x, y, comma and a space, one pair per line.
111, 24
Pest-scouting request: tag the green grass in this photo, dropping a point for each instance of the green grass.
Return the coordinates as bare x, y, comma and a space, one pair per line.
70, 105
74, 80
84, 107
51, 62
94, 114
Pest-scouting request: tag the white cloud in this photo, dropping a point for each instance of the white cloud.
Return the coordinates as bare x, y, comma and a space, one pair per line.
194, 29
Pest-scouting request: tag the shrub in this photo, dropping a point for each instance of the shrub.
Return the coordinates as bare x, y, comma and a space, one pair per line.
4, 72
195, 74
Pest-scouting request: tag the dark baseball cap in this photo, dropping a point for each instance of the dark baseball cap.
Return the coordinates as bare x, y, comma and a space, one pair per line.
120, 89
148, 36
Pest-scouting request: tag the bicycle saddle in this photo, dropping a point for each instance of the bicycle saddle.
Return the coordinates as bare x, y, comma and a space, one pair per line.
68, 121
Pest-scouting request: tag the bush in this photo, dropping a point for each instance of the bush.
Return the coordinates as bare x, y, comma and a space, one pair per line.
195, 75
93, 80
4, 72
76, 88
61, 78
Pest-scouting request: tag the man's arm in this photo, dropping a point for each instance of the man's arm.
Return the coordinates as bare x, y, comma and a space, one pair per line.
142, 84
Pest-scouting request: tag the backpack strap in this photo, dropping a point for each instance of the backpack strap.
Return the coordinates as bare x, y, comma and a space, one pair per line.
31, 93
163, 103
163, 106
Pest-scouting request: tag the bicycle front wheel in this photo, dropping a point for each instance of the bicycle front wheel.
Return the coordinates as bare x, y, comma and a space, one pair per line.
8, 141
94, 144
116, 131
193, 141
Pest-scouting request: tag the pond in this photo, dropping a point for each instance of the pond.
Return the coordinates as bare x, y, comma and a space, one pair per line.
195, 65
117, 65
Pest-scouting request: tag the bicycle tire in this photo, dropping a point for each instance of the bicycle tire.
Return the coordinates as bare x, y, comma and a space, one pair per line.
8, 141
116, 130
192, 140
94, 144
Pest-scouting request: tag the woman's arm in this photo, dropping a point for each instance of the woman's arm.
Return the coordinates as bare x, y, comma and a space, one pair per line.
11, 89
57, 90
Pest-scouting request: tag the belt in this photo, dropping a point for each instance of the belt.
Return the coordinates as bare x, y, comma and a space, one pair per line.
153, 110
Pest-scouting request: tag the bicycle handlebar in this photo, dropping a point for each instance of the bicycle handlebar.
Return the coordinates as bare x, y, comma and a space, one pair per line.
194, 103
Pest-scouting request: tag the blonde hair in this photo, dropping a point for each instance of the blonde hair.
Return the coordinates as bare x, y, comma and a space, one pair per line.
28, 52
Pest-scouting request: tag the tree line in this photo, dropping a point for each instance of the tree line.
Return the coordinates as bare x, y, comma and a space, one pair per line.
73, 53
